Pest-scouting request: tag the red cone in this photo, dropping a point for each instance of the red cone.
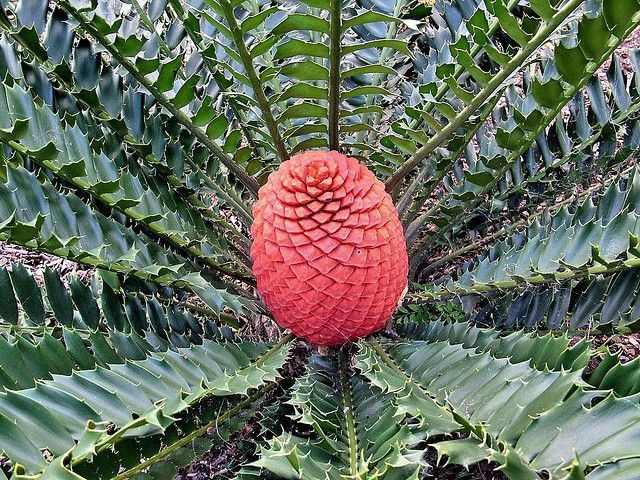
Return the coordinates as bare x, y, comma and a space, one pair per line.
329, 252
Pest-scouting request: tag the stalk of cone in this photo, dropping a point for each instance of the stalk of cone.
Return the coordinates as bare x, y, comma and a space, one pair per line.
328, 249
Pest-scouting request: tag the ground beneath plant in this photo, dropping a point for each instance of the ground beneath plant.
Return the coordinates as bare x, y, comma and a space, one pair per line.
36, 263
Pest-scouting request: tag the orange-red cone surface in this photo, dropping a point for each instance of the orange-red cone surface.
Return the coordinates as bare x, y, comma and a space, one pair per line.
328, 249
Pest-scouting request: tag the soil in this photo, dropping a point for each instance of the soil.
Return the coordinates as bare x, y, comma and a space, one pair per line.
632, 41
36, 262
441, 471
627, 347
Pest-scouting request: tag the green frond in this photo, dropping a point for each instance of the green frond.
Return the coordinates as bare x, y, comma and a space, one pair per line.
65, 150
589, 241
526, 40
164, 320
526, 420
548, 351
35, 214
116, 102
519, 140
137, 398
357, 431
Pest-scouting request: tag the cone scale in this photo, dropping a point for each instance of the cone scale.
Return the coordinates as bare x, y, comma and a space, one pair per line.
329, 253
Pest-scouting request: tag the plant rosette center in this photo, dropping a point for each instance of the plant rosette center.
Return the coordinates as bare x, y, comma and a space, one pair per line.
328, 248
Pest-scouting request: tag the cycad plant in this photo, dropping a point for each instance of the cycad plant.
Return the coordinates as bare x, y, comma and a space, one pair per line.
135, 137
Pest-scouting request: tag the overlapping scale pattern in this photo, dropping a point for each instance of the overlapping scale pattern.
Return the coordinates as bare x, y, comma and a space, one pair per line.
328, 249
